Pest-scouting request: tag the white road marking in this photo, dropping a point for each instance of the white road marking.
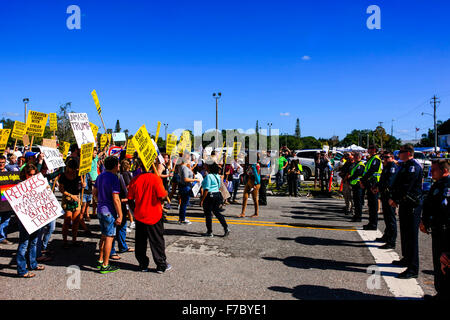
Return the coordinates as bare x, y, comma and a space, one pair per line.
400, 288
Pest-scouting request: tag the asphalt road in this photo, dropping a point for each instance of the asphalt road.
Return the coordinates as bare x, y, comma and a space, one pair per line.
298, 248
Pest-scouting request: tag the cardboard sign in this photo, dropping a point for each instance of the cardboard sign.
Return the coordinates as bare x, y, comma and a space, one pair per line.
187, 141
81, 128
7, 180
326, 148
4, 136
53, 122
26, 140
236, 148
119, 136
196, 185
87, 151
94, 129
64, 149
157, 130
36, 122
18, 130
144, 147
49, 143
97, 103
171, 143
130, 147
114, 151
159, 155
34, 203
52, 158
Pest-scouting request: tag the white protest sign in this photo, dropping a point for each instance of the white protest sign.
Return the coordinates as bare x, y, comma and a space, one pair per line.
81, 128
196, 185
34, 203
52, 158
160, 157
119, 136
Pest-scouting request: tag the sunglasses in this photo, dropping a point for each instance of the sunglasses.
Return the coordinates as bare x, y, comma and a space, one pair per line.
403, 151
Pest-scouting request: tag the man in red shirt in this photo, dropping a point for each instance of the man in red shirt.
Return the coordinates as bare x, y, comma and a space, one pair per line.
147, 191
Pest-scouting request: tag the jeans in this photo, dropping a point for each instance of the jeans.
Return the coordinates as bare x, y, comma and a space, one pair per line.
5, 217
121, 234
26, 249
44, 237
280, 178
185, 194
236, 183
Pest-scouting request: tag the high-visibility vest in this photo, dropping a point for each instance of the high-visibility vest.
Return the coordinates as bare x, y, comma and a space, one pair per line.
356, 180
300, 167
369, 164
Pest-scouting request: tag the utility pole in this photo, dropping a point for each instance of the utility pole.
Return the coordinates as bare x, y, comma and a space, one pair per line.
25, 101
435, 101
165, 131
392, 127
217, 97
381, 133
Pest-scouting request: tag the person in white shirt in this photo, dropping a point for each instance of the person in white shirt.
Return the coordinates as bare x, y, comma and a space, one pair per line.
237, 172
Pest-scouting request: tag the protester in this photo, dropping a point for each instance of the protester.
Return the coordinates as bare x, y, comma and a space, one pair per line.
5, 217
282, 164
109, 211
145, 194
27, 242
293, 174
252, 186
185, 187
237, 172
12, 163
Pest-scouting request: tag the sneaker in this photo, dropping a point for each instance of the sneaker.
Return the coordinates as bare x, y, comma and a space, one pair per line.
184, 222
128, 230
227, 232
109, 268
168, 267
208, 235
99, 264
132, 225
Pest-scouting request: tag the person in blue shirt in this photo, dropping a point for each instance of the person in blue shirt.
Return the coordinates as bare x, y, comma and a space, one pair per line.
212, 199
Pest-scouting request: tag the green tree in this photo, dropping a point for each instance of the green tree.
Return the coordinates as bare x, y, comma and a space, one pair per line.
64, 131
117, 129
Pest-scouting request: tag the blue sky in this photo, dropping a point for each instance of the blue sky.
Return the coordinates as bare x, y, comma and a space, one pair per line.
155, 61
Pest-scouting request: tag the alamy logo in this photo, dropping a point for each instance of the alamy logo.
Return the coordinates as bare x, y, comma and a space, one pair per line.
374, 21
374, 280
74, 280
74, 20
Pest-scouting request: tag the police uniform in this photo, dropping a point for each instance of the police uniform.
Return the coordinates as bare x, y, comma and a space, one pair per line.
356, 172
436, 216
370, 178
407, 192
386, 179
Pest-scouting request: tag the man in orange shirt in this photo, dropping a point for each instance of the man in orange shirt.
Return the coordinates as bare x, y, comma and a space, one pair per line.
147, 191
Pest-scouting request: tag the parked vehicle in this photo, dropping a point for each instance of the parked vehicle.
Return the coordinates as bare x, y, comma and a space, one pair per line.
306, 159
420, 157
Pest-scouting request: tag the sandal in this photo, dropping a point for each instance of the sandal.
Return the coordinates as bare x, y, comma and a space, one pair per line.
28, 275
115, 257
241, 216
39, 268
255, 215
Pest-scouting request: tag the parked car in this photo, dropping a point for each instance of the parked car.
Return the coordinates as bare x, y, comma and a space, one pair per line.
306, 159
420, 157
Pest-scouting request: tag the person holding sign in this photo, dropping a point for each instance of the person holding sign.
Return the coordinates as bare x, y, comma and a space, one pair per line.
185, 187
69, 186
27, 242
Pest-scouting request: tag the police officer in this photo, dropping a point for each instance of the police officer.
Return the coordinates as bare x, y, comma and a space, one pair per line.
356, 172
370, 178
390, 169
406, 194
436, 218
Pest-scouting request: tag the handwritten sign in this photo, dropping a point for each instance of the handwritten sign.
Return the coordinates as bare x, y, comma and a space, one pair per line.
81, 128
50, 143
196, 185
52, 157
87, 151
144, 147
26, 140
97, 103
130, 147
171, 143
119, 136
34, 203
36, 122
53, 122
18, 130
4, 136
7, 180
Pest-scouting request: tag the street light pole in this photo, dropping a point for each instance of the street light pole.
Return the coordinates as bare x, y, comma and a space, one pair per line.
217, 97
434, 101
25, 101
165, 131
270, 128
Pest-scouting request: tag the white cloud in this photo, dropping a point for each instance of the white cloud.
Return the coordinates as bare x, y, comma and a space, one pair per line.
285, 114
306, 58
10, 114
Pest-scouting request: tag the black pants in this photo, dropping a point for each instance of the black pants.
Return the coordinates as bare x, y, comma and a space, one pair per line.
212, 205
441, 281
358, 196
390, 233
372, 203
293, 184
409, 234
154, 234
263, 192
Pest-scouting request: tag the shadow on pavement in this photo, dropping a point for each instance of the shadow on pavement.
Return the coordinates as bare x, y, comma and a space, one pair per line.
313, 241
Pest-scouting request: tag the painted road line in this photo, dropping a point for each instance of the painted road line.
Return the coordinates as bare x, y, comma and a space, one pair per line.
255, 223
400, 288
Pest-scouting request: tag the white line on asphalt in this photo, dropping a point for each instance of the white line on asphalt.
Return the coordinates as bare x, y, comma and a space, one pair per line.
400, 288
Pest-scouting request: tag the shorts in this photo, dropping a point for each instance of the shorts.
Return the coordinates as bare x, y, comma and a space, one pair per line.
87, 198
107, 225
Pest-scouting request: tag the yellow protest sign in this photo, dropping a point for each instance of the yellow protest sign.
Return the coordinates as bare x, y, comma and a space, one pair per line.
103, 140
157, 131
130, 147
171, 143
87, 151
64, 148
109, 138
144, 146
94, 129
4, 136
18, 130
36, 122
97, 103
236, 148
53, 122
